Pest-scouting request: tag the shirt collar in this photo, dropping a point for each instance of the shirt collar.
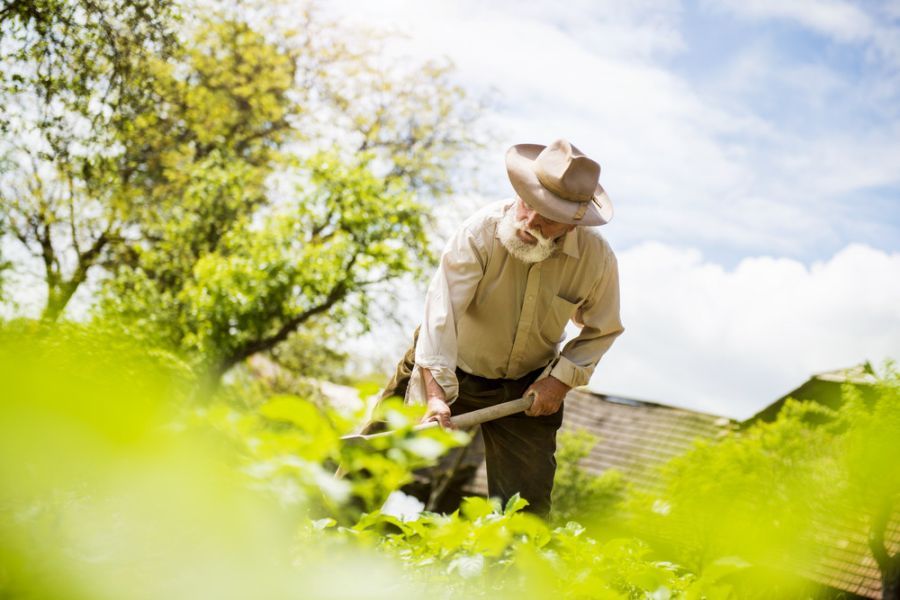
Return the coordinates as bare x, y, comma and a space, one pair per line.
570, 244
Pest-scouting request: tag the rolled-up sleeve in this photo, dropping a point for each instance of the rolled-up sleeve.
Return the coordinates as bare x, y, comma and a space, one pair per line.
599, 319
449, 294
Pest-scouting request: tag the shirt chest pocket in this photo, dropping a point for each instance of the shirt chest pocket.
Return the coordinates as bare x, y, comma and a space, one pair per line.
553, 323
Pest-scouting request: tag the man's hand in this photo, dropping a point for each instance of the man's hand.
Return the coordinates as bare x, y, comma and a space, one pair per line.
548, 396
437, 407
439, 411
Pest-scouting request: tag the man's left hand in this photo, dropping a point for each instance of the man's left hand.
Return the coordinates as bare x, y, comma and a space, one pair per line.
549, 393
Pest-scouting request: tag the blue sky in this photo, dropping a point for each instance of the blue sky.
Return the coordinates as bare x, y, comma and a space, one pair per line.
773, 130
751, 149
840, 87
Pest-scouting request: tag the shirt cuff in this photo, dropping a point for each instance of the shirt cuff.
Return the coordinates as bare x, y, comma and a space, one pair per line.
443, 375
568, 372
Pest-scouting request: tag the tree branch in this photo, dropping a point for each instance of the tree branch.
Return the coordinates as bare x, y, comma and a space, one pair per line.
267, 343
71, 202
337, 293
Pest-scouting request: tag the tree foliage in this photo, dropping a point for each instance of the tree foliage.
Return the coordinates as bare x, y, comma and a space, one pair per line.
870, 481
776, 493
252, 173
70, 78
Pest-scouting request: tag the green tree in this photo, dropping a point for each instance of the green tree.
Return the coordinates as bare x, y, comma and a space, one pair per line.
70, 75
269, 195
269, 171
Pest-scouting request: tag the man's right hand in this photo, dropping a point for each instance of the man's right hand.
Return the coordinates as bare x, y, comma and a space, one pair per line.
438, 410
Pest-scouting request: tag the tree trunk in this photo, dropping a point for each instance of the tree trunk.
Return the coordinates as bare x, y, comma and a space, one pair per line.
890, 579
60, 291
54, 307
888, 565
58, 297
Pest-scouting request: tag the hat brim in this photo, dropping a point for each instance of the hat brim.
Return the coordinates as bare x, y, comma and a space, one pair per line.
519, 167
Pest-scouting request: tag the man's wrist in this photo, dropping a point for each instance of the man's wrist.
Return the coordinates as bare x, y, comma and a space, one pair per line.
559, 382
568, 372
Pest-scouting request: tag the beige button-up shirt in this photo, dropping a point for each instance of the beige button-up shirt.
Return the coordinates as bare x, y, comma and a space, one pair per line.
495, 316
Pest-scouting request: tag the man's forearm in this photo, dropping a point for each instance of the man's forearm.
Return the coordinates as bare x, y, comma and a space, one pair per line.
433, 390
436, 401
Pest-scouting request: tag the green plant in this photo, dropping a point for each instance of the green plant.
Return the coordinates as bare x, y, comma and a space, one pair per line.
578, 494
115, 480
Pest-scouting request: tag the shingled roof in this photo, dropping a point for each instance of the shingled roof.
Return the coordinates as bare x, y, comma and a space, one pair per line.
634, 436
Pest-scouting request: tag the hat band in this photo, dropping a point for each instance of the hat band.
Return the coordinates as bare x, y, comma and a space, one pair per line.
551, 185
584, 206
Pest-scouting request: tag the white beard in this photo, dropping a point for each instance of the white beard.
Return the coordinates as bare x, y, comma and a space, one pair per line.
520, 249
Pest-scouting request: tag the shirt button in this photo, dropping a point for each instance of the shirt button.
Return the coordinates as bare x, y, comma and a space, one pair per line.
530, 297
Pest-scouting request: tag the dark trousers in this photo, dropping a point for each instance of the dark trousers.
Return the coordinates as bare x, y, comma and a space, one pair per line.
519, 450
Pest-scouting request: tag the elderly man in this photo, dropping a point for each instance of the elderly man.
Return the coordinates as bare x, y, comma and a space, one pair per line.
496, 310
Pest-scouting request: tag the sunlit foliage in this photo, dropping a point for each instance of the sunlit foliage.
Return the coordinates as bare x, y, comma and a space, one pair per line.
254, 167
117, 485
777, 494
579, 494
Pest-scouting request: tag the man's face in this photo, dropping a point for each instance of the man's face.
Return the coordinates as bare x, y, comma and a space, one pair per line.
533, 221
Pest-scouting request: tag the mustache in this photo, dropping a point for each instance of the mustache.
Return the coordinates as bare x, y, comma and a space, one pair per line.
520, 225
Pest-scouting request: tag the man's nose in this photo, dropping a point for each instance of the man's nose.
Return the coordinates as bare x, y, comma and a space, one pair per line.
532, 220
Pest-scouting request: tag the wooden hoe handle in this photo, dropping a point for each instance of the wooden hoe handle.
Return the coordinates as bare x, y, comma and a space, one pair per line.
482, 415
467, 420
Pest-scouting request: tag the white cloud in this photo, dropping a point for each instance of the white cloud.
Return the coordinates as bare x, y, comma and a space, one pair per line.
731, 342
629, 28
841, 20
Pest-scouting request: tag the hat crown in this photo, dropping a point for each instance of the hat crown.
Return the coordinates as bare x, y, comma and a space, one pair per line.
567, 172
